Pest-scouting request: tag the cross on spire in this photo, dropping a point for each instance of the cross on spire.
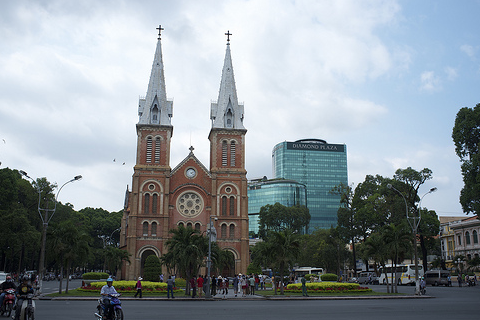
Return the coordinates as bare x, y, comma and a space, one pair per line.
228, 34
159, 31
191, 149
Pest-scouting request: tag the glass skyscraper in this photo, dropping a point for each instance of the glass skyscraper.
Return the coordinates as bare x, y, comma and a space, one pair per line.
262, 192
318, 165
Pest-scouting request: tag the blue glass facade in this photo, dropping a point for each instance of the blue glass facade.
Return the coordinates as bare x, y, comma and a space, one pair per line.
318, 165
263, 192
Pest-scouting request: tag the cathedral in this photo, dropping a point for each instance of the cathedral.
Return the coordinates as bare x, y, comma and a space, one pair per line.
190, 194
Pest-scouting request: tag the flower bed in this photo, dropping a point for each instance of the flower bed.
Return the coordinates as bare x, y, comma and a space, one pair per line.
327, 287
128, 286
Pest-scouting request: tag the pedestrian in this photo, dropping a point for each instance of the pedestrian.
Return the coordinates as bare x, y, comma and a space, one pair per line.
252, 284
459, 279
226, 282
243, 284
257, 282
235, 285
170, 286
200, 286
193, 286
139, 288
262, 282
449, 278
214, 286
304, 287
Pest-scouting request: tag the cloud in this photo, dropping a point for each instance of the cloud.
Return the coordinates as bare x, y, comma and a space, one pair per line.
429, 81
469, 50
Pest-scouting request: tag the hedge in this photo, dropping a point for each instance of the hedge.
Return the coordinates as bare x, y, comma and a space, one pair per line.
128, 286
328, 287
329, 277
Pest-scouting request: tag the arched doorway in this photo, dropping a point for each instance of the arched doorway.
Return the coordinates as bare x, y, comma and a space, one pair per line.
144, 256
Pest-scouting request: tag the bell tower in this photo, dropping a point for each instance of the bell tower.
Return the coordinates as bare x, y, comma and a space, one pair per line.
227, 165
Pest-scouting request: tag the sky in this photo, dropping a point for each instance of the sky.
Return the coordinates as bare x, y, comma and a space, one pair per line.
386, 78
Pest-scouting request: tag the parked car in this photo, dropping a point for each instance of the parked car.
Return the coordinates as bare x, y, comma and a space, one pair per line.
368, 278
437, 277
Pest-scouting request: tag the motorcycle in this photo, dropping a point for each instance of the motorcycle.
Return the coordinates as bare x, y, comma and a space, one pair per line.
28, 308
115, 303
8, 302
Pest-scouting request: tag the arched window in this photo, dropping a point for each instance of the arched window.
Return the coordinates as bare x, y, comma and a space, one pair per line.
154, 229
232, 153
232, 231
232, 206
224, 206
180, 224
154, 203
467, 238
145, 229
147, 204
223, 233
189, 225
475, 237
157, 150
197, 226
155, 114
224, 153
149, 150
459, 240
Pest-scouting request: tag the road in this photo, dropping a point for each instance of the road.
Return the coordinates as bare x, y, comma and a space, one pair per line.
447, 303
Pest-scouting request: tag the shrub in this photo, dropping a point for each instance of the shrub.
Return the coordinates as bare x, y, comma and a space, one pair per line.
95, 275
128, 286
329, 277
328, 287
152, 269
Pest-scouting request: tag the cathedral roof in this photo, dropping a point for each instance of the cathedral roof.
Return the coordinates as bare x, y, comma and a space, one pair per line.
184, 161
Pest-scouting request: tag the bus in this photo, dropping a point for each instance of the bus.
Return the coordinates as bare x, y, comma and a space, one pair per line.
405, 273
300, 272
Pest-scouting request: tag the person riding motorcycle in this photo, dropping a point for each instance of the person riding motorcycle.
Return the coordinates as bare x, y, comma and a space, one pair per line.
8, 284
23, 289
106, 291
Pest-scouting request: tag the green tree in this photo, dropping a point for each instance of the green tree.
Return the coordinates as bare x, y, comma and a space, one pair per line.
278, 217
284, 246
428, 230
397, 240
466, 136
186, 250
152, 269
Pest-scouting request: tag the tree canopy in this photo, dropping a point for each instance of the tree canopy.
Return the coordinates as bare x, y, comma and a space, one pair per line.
466, 136
278, 217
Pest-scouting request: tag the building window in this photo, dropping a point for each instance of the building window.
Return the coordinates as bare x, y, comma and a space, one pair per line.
224, 206
157, 150
154, 229
467, 238
223, 233
475, 237
180, 224
224, 153
232, 206
197, 226
189, 225
232, 154
145, 229
232, 231
147, 204
155, 114
154, 203
149, 150
459, 238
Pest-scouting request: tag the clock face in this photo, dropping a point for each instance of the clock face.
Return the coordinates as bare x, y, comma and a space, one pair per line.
191, 173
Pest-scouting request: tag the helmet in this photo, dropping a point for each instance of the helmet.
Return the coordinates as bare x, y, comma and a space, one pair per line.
110, 279
9, 279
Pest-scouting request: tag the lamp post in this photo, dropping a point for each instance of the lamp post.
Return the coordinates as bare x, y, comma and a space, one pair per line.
212, 233
45, 220
414, 221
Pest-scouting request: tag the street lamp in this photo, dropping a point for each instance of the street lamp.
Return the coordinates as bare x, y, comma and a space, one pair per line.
414, 221
45, 219
212, 233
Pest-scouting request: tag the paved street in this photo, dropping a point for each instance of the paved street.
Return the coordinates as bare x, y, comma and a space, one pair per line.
448, 303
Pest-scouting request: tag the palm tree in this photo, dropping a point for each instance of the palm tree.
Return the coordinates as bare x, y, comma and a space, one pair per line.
375, 248
397, 240
186, 250
284, 247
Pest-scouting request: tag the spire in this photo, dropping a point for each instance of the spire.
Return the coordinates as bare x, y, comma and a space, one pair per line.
227, 112
155, 108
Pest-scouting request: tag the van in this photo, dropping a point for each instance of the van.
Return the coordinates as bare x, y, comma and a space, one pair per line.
364, 278
437, 277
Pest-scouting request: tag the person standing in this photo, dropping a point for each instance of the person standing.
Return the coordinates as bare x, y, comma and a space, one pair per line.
200, 286
459, 279
214, 286
170, 285
243, 284
304, 287
235, 285
252, 284
257, 282
193, 286
139, 288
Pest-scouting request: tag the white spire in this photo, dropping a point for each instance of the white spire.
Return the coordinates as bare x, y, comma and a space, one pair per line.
226, 112
155, 108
